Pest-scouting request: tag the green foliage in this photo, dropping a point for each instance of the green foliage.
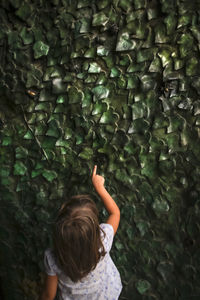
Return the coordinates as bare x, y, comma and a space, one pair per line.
115, 83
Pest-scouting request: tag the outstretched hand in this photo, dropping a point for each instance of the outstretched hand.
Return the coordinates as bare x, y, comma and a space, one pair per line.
97, 180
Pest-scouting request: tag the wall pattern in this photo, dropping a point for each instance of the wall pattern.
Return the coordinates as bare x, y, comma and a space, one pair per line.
115, 83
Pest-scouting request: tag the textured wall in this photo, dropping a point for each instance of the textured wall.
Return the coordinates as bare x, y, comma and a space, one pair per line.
115, 83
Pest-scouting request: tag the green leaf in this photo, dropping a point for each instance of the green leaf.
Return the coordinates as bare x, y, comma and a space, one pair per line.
85, 27
36, 173
143, 286
19, 168
6, 141
99, 108
26, 36
40, 49
132, 82
124, 42
138, 110
109, 117
24, 11
48, 142
43, 106
144, 55
99, 19
122, 176
4, 172
119, 245
160, 206
49, 175
94, 68
29, 135
75, 96
192, 66
53, 129
164, 55
142, 227
102, 51
100, 92
165, 269
21, 152
61, 99
115, 72
86, 154
59, 86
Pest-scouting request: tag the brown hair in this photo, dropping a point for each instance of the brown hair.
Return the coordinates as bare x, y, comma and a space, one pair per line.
77, 237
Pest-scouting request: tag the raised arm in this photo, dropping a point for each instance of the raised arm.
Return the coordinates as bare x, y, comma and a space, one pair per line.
109, 203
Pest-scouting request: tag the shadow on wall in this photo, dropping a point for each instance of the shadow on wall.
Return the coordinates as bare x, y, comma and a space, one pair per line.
1, 291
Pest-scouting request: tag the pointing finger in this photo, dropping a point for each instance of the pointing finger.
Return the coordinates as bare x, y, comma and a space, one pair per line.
94, 171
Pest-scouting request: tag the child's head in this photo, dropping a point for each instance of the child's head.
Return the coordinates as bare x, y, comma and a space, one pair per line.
77, 237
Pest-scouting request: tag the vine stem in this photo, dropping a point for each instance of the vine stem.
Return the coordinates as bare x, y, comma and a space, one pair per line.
36, 139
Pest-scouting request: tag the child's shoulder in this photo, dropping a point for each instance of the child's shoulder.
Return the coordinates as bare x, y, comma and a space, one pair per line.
107, 228
49, 254
109, 235
51, 267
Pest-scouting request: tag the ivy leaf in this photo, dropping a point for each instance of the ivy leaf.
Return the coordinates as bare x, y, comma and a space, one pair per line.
49, 175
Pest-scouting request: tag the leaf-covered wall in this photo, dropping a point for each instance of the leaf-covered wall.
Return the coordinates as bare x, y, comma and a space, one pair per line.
115, 83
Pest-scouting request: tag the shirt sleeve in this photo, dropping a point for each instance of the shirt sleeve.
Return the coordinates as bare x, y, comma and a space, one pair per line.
108, 239
49, 263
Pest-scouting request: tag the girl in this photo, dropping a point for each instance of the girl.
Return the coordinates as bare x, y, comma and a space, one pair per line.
80, 265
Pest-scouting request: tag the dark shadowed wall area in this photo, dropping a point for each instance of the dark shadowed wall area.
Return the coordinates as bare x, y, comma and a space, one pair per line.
115, 83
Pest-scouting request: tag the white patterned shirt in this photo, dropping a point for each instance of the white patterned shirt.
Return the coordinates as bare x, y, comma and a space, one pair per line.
103, 283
